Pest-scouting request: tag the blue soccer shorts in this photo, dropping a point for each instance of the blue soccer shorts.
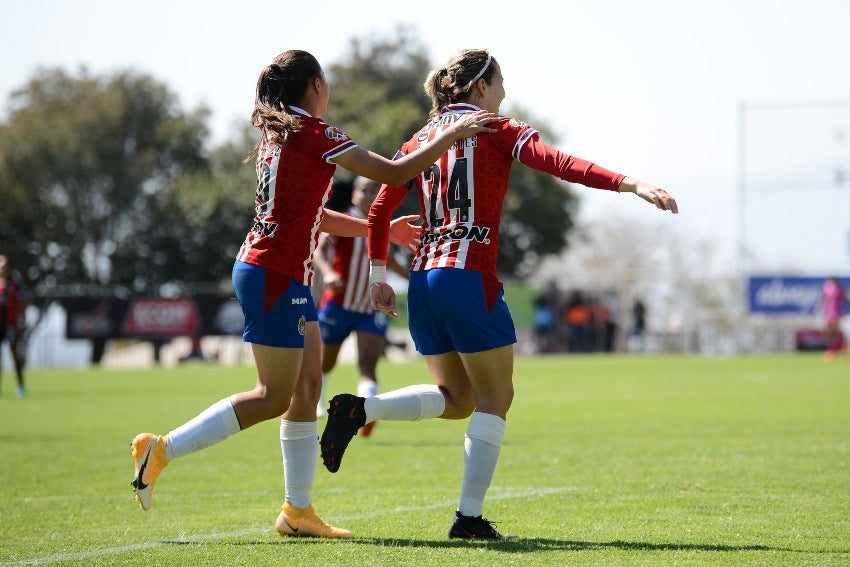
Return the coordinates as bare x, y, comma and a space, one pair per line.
336, 323
447, 310
276, 307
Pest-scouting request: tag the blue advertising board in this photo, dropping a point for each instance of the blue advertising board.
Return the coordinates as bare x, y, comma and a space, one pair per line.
788, 295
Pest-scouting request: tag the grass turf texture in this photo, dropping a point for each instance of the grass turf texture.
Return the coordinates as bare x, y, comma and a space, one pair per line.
607, 460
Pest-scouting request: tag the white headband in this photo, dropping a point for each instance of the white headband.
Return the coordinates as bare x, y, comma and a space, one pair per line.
479, 75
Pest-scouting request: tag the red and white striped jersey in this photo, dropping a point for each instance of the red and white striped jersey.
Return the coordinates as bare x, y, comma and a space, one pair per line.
293, 184
461, 194
351, 262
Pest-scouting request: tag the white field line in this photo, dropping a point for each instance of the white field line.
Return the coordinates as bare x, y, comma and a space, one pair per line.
494, 494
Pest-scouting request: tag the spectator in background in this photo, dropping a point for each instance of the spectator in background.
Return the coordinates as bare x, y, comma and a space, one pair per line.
544, 323
604, 326
834, 297
13, 320
579, 318
639, 325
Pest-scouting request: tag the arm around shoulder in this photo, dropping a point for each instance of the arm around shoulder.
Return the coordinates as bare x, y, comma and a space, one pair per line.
398, 172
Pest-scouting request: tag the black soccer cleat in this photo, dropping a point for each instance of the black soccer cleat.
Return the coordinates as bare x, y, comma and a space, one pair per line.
475, 527
346, 415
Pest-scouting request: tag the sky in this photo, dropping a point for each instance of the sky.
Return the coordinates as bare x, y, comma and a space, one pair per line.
739, 108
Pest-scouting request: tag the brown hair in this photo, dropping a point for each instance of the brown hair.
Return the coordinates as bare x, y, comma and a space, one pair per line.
282, 84
453, 82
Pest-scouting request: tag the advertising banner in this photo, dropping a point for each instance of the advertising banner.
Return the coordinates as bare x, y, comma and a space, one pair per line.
151, 317
787, 295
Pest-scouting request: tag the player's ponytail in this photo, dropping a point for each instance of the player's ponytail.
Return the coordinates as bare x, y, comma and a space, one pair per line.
280, 85
435, 86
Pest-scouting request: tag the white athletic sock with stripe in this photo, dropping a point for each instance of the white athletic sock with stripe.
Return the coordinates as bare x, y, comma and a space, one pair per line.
299, 444
482, 446
214, 424
411, 403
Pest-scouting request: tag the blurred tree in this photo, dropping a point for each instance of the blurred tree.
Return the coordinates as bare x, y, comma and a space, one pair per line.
198, 222
105, 181
377, 97
377, 93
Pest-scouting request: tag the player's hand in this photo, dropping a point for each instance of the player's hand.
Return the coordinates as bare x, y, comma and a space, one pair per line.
404, 233
382, 297
473, 122
651, 194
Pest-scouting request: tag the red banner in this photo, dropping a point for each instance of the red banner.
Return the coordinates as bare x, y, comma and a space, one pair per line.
152, 317
160, 317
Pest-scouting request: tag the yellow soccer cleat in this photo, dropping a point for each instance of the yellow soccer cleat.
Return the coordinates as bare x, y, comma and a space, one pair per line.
304, 522
149, 454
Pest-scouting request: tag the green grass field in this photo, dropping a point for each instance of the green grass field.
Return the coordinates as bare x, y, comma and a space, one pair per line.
607, 460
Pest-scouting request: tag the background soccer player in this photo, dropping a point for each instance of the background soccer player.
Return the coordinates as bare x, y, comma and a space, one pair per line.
12, 320
345, 306
834, 296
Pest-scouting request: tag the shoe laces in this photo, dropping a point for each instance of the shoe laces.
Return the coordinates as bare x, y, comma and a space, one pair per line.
478, 527
489, 528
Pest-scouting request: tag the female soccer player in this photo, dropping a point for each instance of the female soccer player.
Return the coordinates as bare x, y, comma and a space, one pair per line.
458, 317
295, 159
833, 300
12, 320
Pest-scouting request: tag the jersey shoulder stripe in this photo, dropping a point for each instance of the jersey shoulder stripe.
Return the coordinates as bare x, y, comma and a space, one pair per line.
329, 140
519, 131
339, 150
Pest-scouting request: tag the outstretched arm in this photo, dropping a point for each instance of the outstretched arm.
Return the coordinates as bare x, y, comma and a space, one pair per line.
538, 155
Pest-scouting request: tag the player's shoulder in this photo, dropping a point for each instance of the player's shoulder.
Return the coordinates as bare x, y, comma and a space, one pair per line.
511, 123
314, 126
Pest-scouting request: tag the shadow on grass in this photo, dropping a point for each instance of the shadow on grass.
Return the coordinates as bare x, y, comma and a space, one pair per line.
541, 544
519, 545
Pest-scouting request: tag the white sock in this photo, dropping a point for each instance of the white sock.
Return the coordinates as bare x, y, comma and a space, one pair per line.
320, 407
299, 444
214, 424
412, 403
367, 389
482, 446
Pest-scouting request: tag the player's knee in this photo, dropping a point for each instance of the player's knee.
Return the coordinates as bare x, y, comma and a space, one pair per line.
497, 403
272, 402
459, 406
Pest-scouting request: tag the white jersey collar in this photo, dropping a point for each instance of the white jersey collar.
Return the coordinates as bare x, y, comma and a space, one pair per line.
300, 111
460, 107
